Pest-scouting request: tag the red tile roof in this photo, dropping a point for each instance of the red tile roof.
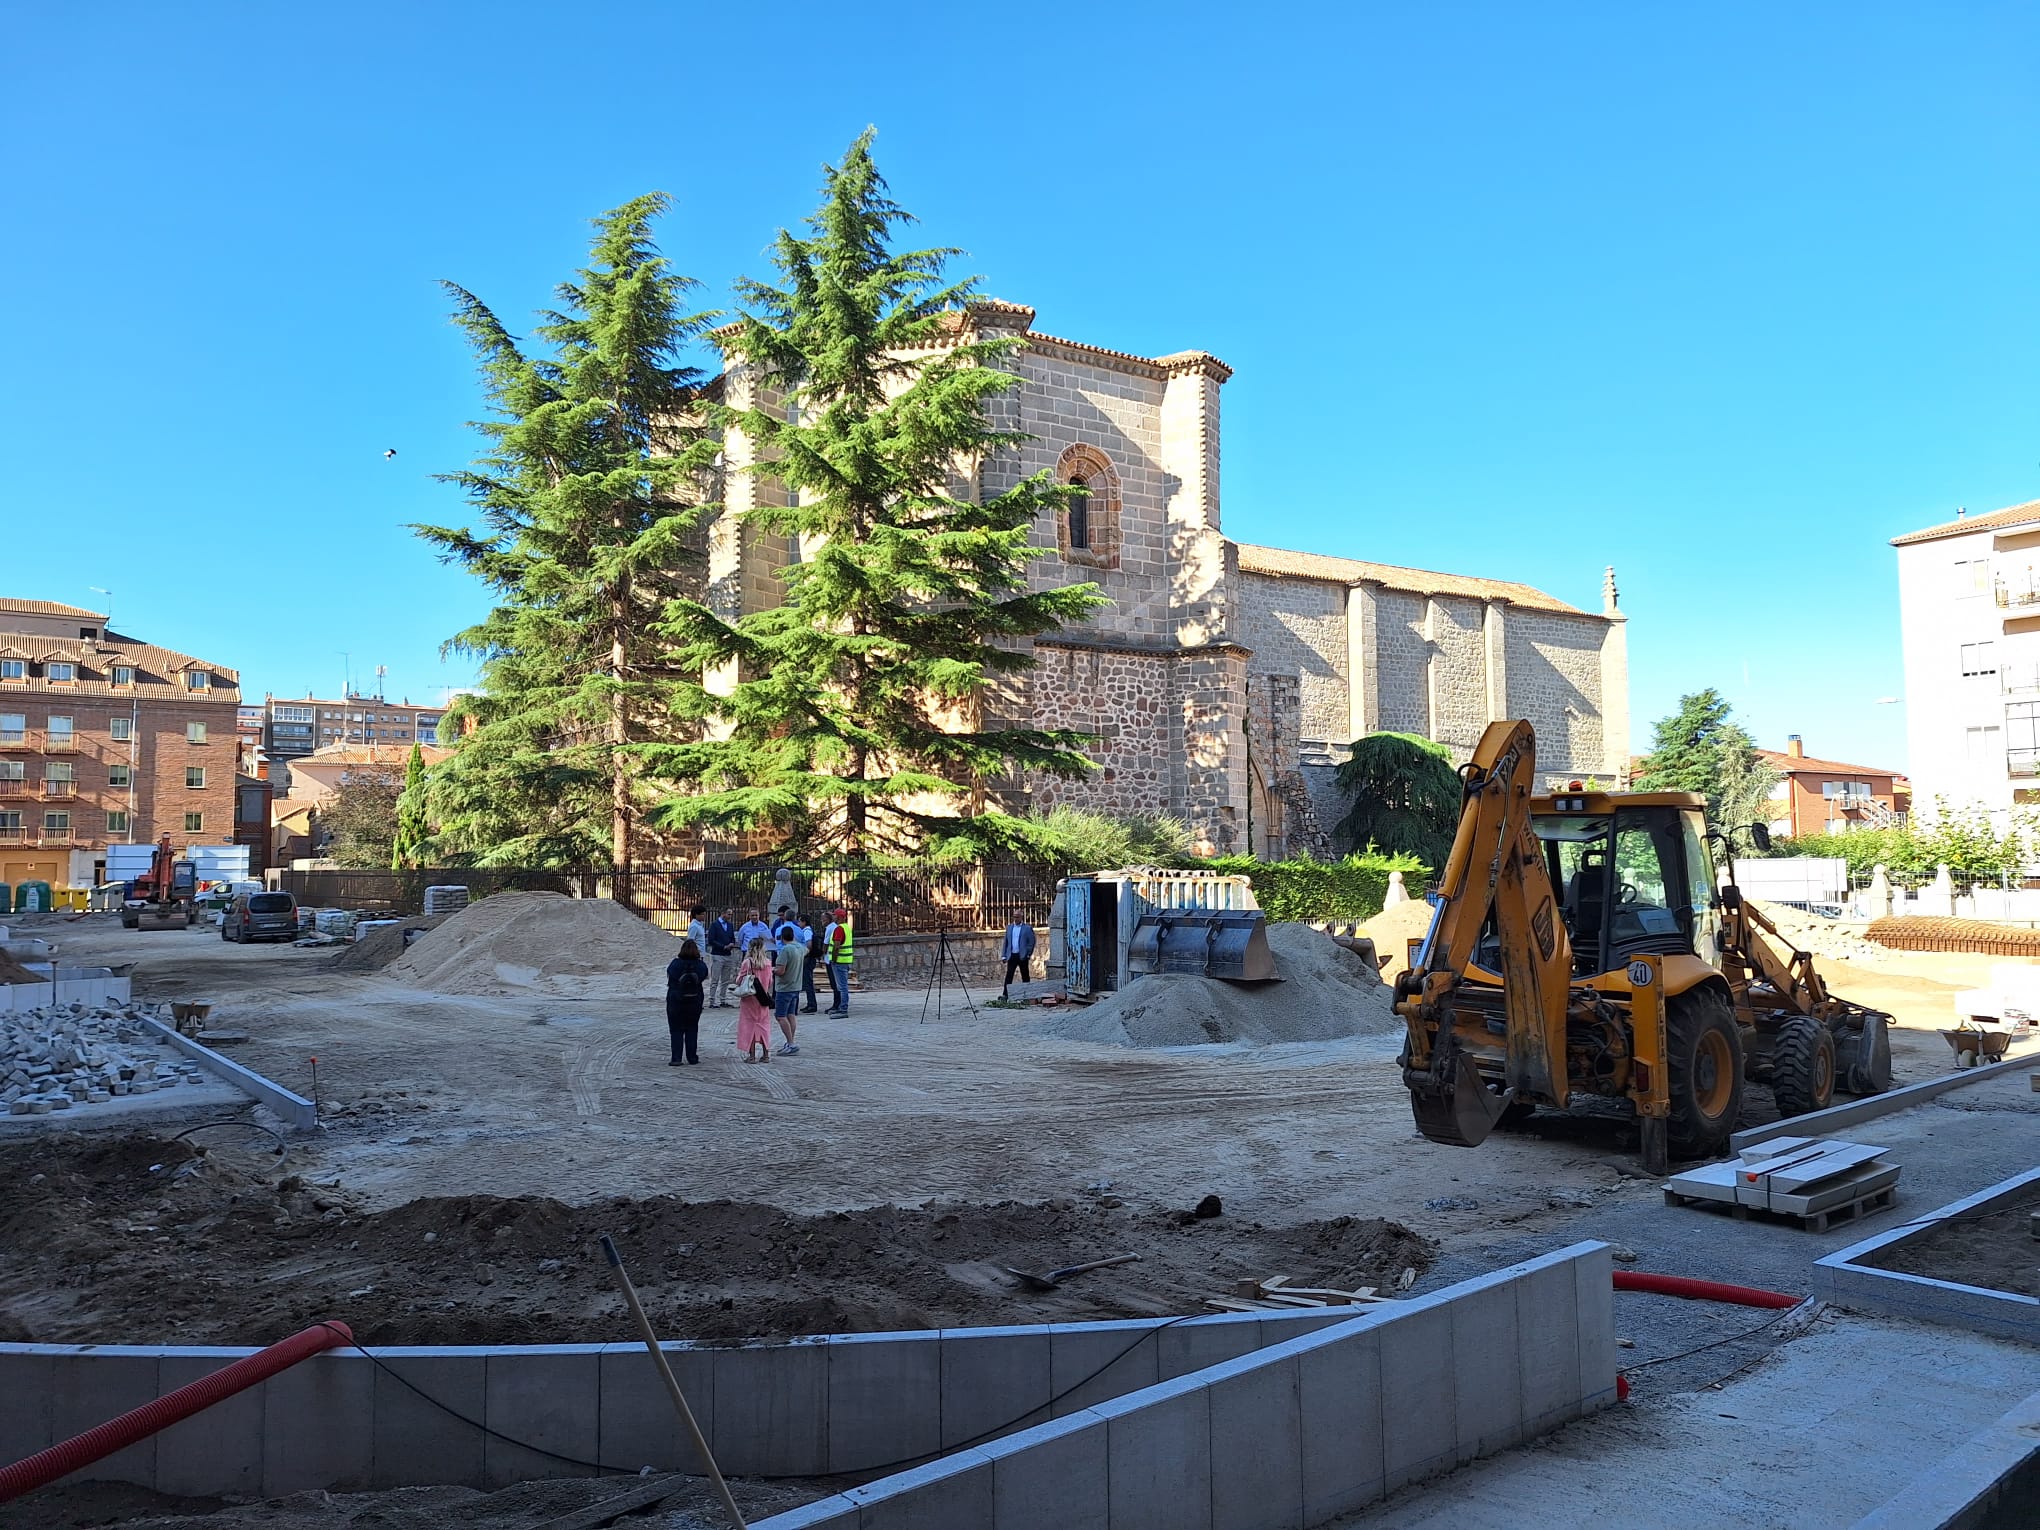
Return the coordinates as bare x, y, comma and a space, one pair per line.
1807, 764
2011, 515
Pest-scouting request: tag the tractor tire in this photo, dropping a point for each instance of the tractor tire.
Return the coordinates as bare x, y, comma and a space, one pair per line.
1803, 1067
1704, 1072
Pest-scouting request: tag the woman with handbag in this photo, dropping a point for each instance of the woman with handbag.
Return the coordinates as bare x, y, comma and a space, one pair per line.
754, 1002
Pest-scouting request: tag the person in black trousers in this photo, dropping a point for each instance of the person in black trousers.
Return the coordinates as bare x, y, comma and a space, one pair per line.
807, 976
686, 977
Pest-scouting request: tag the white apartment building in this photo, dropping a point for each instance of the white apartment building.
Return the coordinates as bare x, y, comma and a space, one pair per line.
1969, 611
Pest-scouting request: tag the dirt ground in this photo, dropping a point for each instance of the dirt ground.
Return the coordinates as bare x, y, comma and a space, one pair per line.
471, 1142
1995, 1250
692, 1505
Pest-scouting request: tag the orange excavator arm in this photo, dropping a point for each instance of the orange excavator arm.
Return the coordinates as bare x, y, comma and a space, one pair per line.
1496, 867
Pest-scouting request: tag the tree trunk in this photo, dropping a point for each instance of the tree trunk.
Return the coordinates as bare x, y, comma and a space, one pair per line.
619, 735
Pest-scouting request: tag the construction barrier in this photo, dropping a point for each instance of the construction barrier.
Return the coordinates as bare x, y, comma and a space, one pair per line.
1922, 932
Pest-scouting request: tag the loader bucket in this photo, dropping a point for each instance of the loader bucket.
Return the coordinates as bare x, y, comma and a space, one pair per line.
1863, 1054
1207, 942
1460, 1112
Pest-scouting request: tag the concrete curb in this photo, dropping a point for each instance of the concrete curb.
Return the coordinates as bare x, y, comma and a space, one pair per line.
296, 1111
1992, 1483
1870, 1107
1845, 1277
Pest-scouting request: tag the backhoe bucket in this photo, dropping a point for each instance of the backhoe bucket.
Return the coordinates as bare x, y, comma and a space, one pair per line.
1209, 942
1462, 1111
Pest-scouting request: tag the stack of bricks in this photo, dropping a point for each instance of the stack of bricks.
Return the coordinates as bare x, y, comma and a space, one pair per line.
62, 1056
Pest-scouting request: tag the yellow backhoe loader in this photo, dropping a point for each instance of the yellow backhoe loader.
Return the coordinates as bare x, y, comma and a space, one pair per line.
1583, 944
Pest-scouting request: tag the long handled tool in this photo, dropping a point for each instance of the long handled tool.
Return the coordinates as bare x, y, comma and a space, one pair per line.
666, 1375
1055, 1278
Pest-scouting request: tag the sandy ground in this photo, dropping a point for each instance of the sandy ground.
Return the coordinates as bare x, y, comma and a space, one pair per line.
430, 1095
1993, 1249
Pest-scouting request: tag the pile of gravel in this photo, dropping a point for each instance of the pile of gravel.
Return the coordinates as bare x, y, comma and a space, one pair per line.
1326, 992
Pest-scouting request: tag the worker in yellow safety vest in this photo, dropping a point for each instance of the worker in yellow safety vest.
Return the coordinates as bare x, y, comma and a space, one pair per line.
837, 957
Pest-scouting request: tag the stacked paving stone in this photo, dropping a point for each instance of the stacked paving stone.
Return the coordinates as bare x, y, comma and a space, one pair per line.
64, 1055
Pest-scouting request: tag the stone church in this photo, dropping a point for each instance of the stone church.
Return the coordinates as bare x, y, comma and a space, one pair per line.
1224, 680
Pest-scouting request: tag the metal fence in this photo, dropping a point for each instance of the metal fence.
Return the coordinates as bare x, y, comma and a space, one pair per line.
883, 900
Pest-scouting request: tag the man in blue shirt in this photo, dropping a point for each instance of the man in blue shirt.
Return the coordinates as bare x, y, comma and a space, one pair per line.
755, 928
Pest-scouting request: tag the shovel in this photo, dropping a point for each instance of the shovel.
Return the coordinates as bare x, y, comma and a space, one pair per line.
1055, 1278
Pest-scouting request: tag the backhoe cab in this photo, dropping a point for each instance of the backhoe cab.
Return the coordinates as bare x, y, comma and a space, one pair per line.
1582, 945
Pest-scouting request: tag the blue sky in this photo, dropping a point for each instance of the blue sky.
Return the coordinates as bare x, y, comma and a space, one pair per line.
1725, 295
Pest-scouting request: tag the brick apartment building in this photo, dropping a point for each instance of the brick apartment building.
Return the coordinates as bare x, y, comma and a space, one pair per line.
292, 729
1816, 796
105, 739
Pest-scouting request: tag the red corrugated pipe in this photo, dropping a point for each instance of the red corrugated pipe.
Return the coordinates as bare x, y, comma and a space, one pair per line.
47, 1466
1702, 1290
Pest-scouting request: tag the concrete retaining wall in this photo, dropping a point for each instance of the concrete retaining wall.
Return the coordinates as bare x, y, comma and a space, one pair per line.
1294, 1434
1991, 1483
1223, 1421
1849, 1279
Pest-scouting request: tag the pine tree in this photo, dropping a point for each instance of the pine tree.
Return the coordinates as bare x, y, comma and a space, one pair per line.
1699, 748
585, 494
1405, 794
856, 724
412, 825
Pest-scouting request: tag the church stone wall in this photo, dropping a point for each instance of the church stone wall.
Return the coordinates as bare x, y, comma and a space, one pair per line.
1555, 681
1298, 627
1457, 678
1126, 699
1403, 663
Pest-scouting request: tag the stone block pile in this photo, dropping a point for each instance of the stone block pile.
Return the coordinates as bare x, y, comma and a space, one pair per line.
61, 1056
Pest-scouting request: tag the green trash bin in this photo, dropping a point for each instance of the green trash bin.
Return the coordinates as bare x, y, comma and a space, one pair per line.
6, 897
34, 898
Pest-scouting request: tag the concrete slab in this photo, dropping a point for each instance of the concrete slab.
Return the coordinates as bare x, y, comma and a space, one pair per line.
772, 1409
1256, 1445
548, 1398
1993, 1478
416, 1439
1159, 1444
1822, 1123
1419, 1412
639, 1426
994, 1381
27, 1388
318, 1425
957, 1490
1487, 1368
1185, 1347
1095, 1362
220, 1450
885, 1400
1053, 1474
1339, 1392
291, 1107
98, 1382
1548, 1346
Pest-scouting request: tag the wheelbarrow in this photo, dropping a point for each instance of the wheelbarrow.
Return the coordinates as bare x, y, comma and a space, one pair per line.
1975, 1046
189, 1016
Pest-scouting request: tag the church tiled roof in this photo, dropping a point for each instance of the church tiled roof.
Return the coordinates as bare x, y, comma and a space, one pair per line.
1283, 563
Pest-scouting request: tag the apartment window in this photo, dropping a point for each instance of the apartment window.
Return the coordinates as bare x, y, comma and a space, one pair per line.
116, 821
56, 823
10, 826
116, 775
194, 775
61, 674
1979, 658
59, 772
194, 733
2022, 728
1972, 576
13, 727
13, 669
293, 714
123, 674
197, 680
122, 729
62, 734
13, 770
194, 823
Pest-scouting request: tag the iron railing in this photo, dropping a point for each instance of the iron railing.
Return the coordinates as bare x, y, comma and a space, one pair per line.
883, 900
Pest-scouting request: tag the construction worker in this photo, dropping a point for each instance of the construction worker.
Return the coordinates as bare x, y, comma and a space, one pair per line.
837, 956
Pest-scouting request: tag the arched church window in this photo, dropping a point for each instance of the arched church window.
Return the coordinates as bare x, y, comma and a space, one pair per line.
1080, 513
1087, 519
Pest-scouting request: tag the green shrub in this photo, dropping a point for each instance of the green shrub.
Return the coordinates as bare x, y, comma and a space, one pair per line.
1320, 890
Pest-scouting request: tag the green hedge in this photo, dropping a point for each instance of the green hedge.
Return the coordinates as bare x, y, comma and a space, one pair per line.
1324, 890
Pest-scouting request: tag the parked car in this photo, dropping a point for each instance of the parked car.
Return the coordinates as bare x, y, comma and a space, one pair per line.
261, 916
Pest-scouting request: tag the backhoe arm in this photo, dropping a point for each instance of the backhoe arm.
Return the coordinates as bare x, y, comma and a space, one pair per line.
1496, 866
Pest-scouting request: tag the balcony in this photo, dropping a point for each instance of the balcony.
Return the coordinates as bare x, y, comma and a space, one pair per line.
12, 834
2019, 679
15, 738
57, 837
13, 786
2022, 762
60, 788
60, 743
2014, 593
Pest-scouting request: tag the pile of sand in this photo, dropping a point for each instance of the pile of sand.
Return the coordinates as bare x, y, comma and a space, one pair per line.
1393, 929
379, 948
540, 942
1326, 992
12, 971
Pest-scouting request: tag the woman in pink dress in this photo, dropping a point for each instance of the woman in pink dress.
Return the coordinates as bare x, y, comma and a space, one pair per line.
754, 1005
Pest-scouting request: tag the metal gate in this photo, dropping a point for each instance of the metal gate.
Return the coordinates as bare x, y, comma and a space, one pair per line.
1077, 936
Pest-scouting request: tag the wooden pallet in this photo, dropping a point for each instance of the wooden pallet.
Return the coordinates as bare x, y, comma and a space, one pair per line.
1274, 1294
1848, 1211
